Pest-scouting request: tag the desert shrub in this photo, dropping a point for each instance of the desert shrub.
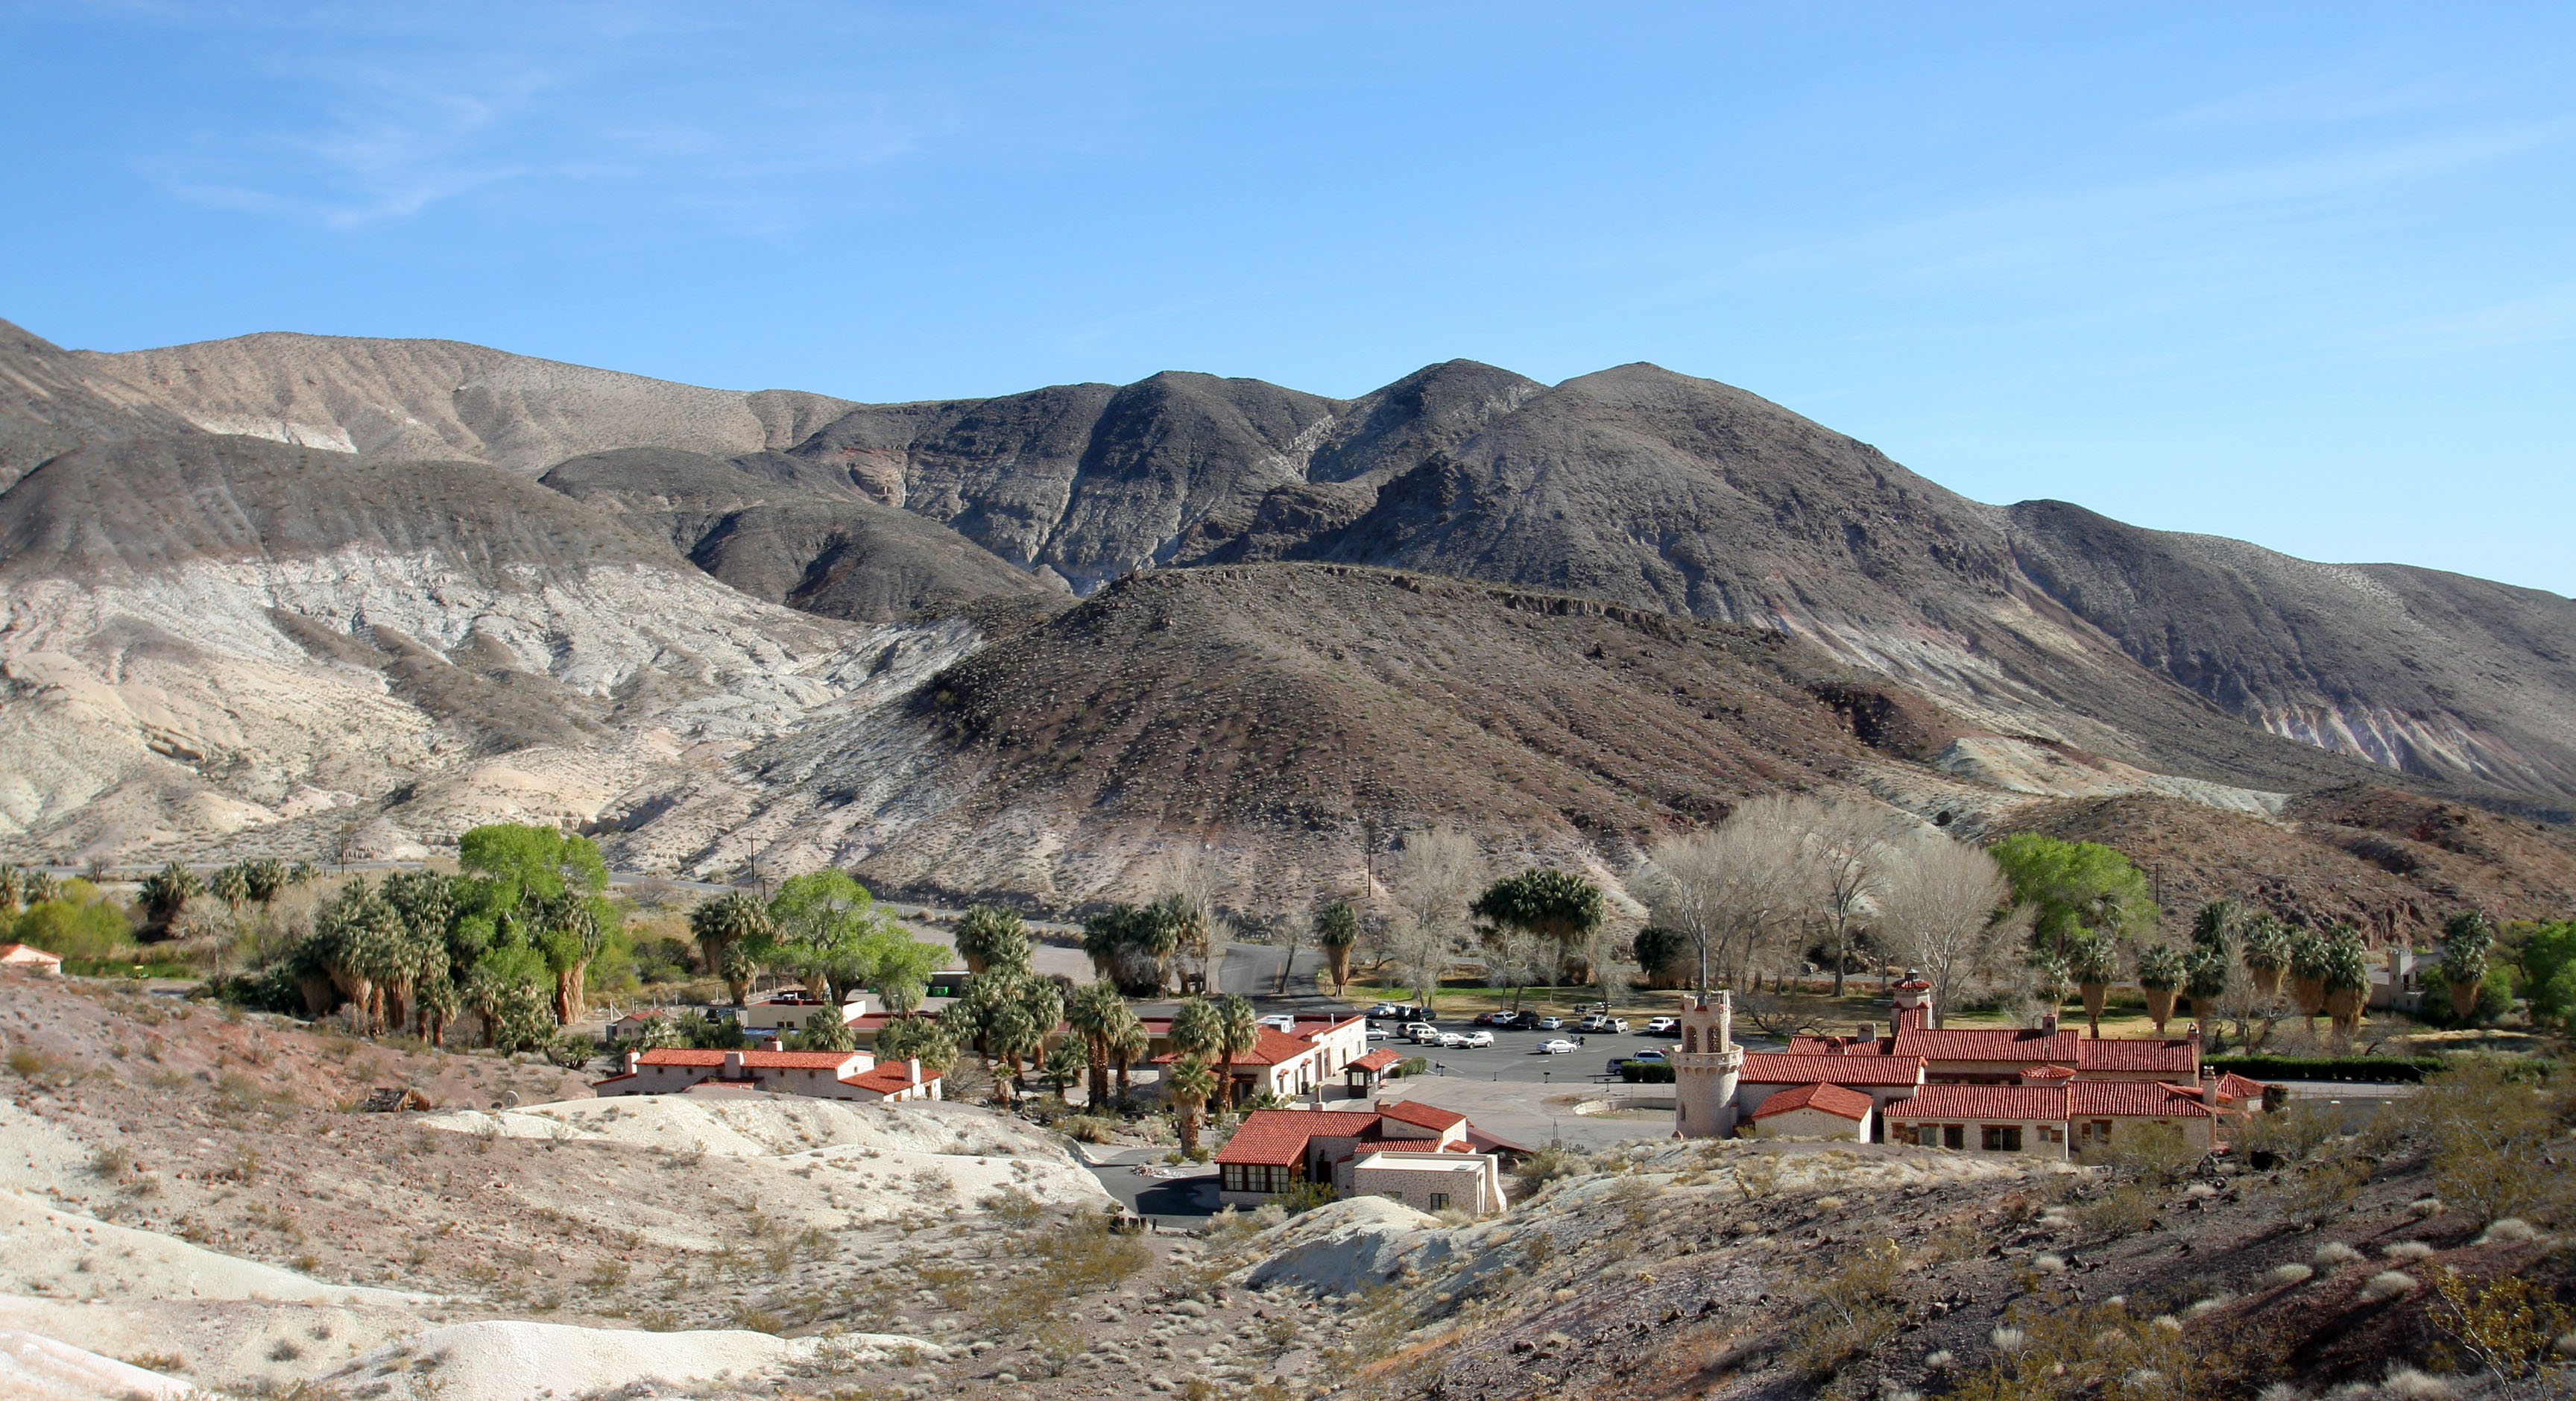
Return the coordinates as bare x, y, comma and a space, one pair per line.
1306, 1196
1546, 1166
2484, 1122
2148, 1152
1086, 1254
1851, 1313
1088, 1128
2322, 1190
2122, 1211
2387, 1285
2507, 1324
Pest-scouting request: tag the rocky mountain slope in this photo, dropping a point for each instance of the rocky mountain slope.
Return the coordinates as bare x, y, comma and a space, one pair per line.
538, 589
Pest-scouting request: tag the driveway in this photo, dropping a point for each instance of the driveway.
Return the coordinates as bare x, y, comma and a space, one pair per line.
1182, 1196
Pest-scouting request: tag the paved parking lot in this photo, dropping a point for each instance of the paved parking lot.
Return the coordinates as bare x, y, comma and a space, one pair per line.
1514, 1054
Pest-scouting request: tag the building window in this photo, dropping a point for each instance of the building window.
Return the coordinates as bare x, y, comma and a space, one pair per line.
1439, 1201
1233, 1177
2002, 1138
2048, 1134
1954, 1136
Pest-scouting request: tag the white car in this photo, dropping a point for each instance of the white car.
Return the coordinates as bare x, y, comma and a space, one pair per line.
1661, 1026
1453, 1041
1422, 1032
1558, 1047
1378, 1033
1470, 1041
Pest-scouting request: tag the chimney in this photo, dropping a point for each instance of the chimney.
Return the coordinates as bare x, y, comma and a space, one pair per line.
733, 1069
1725, 1021
914, 1065
769, 1041
2048, 1022
630, 1062
2209, 1088
1866, 1033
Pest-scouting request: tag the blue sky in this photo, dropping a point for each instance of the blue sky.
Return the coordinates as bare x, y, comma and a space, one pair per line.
2298, 274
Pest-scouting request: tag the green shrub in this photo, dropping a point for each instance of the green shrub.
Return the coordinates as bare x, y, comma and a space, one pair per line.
1646, 1072
2404, 1069
1306, 1196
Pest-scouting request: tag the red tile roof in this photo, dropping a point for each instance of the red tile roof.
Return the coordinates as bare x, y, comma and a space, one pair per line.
2171, 1057
1278, 1137
890, 1078
1276, 1046
755, 1060
1841, 1046
1782, 1069
2076, 1099
2041, 1074
1423, 1115
2032, 1102
1993, 1044
1833, 1099
27, 953
1378, 1059
2137, 1099
2235, 1086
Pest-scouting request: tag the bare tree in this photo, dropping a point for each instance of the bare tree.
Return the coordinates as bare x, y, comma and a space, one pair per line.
1938, 913
1188, 883
1436, 875
1848, 851
1734, 889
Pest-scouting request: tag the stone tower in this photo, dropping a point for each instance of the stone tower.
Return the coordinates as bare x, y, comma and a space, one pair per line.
1706, 1067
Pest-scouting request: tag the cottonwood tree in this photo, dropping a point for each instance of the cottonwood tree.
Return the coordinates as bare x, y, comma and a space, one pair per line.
1436, 874
1188, 881
1732, 889
1941, 914
1847, 851
2073, 889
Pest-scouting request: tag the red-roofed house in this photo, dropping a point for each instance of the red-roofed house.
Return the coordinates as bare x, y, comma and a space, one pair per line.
1814, 1111
29, 958
2053, 1120
1286, 1063
1274, 1150
2036, 1090
853, 1075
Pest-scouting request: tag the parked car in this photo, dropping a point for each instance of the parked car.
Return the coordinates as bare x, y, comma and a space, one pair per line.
1598, 1023
1387, 1009
1378, 1032
1473, 1040
1497, 1019
1421, 1033
1559, 1046
1652, 1055
1550, 1024
1663, 1026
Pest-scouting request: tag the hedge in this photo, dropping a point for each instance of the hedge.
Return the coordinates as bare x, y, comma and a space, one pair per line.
118, 968
2369, 1068
1646, 1072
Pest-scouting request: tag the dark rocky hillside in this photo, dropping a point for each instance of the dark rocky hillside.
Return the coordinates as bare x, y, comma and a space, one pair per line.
765, 525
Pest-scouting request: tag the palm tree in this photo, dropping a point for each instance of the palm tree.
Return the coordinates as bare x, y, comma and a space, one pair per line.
2344, 978
13, 888
166, 892
2094, 962
1242, 1028
2308, 954
1337, 928
438, 1004
917, 1038
567, 928
1126, 1047
989, 936
1557, 906
1189, 1082
2467, 939
2267, 953
2161, 972
729, 921
826, 1031
1198, 1028
231, 884
266, 876
1095, 1010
